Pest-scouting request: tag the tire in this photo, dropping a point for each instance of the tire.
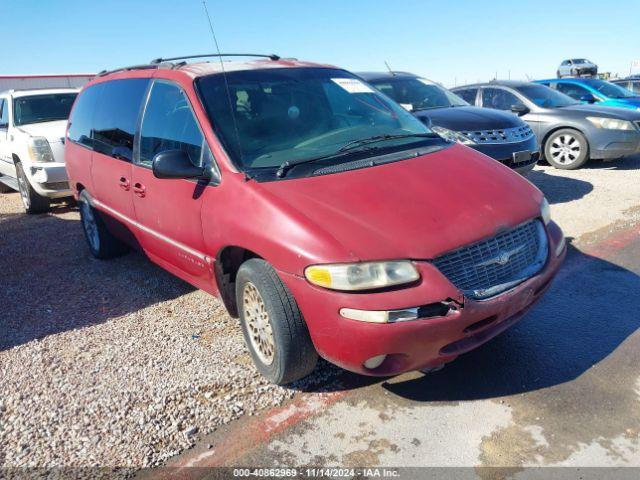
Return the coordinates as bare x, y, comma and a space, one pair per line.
102, 244
32, 201
5, 188
566, 149
558, 74
274, 330
574, 72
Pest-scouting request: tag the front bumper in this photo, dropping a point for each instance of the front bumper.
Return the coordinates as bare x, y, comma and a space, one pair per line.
611, 144
416, 344
49, 179
503, 152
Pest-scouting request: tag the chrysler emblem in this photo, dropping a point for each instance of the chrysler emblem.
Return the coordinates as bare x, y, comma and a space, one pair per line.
502, 258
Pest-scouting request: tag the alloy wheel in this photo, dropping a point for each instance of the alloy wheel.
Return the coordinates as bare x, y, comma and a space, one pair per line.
23, 187
90, 225
258, 324
565, 149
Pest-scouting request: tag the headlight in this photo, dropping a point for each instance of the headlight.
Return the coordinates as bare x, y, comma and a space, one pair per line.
545, 211
362, 276
40, 150
452, 136
611, 123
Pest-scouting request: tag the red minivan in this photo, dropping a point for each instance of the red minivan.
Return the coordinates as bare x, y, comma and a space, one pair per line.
325, 216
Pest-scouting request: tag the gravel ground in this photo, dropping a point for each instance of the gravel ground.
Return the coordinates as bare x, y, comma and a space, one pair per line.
120, 364
112, 363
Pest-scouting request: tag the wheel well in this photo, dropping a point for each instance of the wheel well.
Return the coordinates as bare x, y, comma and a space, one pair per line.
227, 264
543, 143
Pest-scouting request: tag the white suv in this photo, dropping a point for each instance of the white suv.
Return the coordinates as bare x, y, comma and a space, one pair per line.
32, 131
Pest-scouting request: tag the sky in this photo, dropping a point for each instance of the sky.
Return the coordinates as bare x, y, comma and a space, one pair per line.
454, 42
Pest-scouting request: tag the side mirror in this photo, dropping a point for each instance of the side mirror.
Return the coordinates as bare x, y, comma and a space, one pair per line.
175, 164
519, 109
588, 98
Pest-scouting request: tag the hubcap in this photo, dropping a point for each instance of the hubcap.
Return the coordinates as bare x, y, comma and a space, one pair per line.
90, 226
24, 189
565, 149
258, 324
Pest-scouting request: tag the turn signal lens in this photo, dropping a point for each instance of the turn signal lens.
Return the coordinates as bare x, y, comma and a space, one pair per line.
362, 276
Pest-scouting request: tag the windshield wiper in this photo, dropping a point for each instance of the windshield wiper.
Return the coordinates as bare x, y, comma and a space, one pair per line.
382, 138
349, 148
289, 164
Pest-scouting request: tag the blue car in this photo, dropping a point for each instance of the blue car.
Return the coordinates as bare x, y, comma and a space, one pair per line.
592, 90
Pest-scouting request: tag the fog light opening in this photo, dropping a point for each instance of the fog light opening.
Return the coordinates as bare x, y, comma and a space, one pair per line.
375, 362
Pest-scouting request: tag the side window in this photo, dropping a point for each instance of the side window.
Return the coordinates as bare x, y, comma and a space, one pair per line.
565, 63
81, 119
634, 87
116, 118
169, 124
499, 99
574, 91
4, 112
468, 95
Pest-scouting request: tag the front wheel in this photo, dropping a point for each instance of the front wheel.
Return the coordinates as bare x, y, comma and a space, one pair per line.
33, 202
566, 149
272, 324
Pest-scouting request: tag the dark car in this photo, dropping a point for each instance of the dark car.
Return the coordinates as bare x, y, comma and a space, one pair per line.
502, 136
630, 83
569, 133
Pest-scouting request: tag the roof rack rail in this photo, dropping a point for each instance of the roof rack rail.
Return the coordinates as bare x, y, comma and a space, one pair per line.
130, 67
273, 57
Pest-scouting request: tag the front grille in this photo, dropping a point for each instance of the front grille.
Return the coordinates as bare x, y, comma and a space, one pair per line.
489, 267
504, 135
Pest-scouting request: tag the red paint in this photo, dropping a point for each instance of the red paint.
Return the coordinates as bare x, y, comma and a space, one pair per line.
415, 209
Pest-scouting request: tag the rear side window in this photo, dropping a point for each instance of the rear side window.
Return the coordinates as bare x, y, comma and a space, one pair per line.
169, 124
80, 122
468, 95
635, 87
116, 117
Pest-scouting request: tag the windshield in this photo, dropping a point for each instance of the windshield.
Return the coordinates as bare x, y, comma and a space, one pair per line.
270, 116
418, 93
42, 108
610, 90
580, 60
545, 97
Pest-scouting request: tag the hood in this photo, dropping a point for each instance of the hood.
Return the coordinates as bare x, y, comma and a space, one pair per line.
52, 131
612, 112
417, 208
469, 118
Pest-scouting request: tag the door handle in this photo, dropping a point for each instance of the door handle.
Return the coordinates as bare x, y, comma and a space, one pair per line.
139, 189
124, 184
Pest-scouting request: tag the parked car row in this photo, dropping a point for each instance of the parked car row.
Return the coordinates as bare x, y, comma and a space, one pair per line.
337, 215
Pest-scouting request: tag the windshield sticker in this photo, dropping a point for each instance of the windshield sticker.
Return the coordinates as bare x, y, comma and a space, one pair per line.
352, 85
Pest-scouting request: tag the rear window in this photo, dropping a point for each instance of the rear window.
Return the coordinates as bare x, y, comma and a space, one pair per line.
80, 122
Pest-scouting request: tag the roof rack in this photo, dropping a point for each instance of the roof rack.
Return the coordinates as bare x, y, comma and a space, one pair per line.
130, 67
157, 61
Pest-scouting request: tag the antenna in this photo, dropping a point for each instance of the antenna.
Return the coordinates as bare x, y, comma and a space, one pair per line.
224, 75
389, 68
